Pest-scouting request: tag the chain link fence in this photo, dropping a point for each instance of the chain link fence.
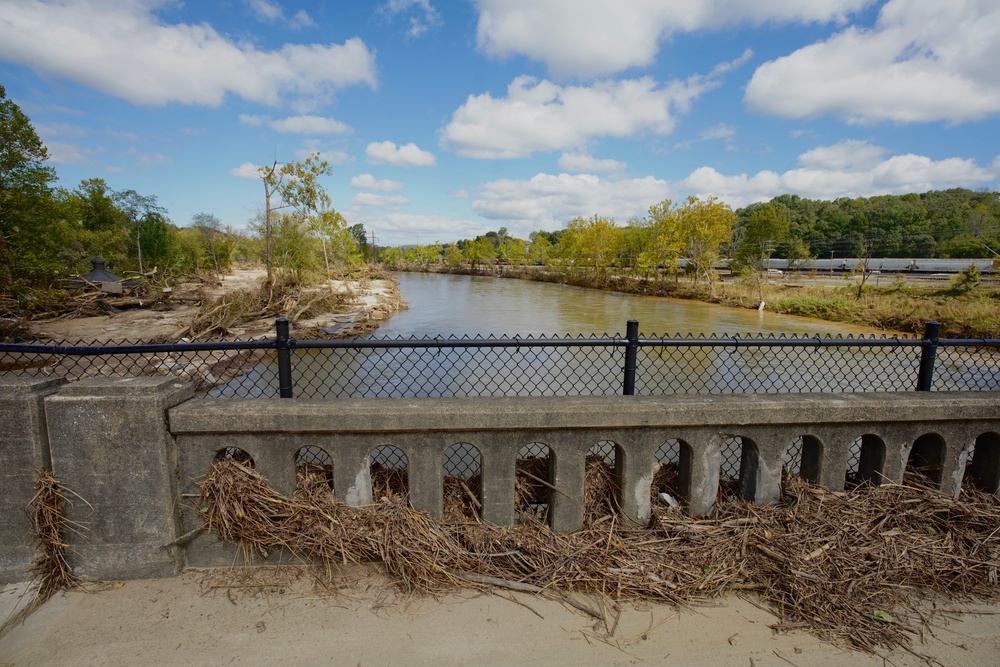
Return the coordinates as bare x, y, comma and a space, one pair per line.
533, 366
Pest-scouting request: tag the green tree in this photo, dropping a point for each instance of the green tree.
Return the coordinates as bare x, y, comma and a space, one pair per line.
291, 185
142, 211
25, 198
210, 228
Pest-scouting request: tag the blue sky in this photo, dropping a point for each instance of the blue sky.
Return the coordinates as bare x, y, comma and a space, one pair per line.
444, 119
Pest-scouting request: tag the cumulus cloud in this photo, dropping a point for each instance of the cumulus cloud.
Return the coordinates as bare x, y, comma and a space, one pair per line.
63, 153
548, 201
422, 14
314, 146
543, 116
409, 155
369, 182
923, 61
129, 53
394, 227
143, 159
846, 169
309, 125
371, 199
600, 37
271, 12
246, 170
588, 163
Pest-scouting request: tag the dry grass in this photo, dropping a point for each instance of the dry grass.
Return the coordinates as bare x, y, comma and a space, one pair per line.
851, 567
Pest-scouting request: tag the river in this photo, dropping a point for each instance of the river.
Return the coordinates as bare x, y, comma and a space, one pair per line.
446, 306
443, 305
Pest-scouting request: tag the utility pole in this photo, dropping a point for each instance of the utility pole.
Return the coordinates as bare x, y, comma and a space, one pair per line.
371, 234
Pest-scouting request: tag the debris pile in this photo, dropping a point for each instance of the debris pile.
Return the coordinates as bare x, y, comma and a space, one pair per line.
851, 567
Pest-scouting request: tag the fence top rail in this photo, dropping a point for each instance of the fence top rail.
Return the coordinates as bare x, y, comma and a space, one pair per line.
735, 341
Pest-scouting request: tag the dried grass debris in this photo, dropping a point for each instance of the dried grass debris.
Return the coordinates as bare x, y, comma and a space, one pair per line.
851, 567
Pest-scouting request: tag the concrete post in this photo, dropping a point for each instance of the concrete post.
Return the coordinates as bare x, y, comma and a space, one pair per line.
24, 450
110, 445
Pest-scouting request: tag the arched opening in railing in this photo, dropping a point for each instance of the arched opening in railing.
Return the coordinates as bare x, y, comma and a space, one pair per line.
236, 454
463, 465
739, 468
601, 483
927, 458
866, 464
313, 469
983, 469
803, 458
390, 472
671, 473
533, 485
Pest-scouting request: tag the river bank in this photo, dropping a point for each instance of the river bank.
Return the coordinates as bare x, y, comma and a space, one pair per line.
225, 308
902, 306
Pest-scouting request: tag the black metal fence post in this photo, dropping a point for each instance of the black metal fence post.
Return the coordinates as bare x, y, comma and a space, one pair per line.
928, 351
284, 358
632, 334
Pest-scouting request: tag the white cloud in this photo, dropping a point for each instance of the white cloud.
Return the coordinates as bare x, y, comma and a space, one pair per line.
61, 152
846, 169
923, 61
246, 170
588, 163
369, 182
600, 37
548, 201
129, 53
148, 159
542, 116
309, 125
423, 15
333, 156
371, 199
409, 155
721, 131
46, 130
271, 12
459, 194
396, 227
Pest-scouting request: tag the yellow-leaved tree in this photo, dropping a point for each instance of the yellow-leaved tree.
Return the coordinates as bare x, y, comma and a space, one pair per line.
705, 225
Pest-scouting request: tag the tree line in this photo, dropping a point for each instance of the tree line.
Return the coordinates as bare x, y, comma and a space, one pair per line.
691, 236
49, 233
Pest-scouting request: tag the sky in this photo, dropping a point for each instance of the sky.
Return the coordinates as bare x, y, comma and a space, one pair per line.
444, 119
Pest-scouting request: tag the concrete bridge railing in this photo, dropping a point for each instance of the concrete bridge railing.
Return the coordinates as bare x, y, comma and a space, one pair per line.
134, 448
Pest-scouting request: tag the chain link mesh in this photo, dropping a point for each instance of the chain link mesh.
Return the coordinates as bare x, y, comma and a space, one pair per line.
462, 460
488, 366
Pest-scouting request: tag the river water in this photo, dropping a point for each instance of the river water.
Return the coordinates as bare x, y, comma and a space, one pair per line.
443, 305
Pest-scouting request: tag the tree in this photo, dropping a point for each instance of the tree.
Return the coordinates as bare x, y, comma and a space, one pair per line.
294, 185
210, 228
25, 188
666, 238
705, 224
139, 210
763, 228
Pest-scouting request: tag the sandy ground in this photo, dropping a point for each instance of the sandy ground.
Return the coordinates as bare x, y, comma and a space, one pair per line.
379, 298
211, 617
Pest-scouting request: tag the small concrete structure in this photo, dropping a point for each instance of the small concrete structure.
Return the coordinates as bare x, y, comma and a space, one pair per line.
110, 446
102, 278
24, 451
133, 448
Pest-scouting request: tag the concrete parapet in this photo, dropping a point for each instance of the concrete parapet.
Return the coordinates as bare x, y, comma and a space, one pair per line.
24, 450
938, 429
110, 445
